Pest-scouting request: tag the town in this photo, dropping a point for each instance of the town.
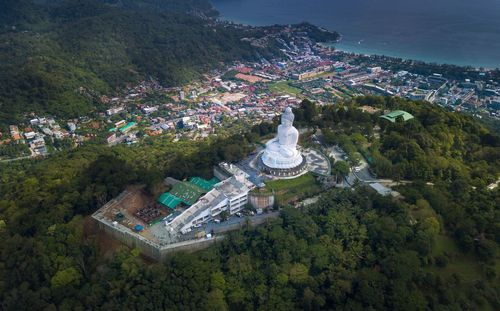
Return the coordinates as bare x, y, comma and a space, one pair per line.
240, 95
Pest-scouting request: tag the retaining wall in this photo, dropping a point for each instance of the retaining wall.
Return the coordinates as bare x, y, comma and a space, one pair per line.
159, 253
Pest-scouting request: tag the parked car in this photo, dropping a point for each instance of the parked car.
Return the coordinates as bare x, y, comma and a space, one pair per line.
217, 221
197, 226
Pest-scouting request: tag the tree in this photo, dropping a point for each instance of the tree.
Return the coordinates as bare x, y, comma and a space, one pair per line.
66, 277
224, 215
216, 300
307, 112
486, 250
340, 169
233, 152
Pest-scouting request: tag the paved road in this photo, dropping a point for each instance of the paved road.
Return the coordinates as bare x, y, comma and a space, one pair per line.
364, 174
232, 222
350, 179
17, 159
249, 166
337, 154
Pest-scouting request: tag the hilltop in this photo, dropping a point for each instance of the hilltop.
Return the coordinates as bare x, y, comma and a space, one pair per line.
435, 248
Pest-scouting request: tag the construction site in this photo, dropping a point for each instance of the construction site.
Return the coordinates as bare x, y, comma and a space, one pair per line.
178, 219
137, 220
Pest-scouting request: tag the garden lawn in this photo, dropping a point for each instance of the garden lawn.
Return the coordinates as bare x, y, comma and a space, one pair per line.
287, 190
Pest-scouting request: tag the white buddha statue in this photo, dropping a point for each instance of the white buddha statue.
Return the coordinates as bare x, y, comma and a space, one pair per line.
281, 152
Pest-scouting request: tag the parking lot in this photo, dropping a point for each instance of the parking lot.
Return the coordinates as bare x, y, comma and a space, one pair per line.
233, 223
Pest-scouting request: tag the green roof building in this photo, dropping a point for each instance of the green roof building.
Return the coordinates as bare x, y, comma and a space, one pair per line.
394, 115
127, 127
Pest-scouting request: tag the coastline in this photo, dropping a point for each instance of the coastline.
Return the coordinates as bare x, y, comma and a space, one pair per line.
346, 48
461, 50
367, 51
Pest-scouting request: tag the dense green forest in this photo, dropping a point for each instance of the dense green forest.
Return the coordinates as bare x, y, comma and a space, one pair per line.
59, 57
450, 159
436, 248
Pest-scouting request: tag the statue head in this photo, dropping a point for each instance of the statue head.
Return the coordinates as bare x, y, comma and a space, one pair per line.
287, 117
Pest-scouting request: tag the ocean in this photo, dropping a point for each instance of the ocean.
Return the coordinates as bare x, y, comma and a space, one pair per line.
456, 32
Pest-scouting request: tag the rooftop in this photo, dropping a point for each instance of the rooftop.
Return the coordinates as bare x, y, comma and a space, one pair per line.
226, 189
232, 187
128, 126
394, 115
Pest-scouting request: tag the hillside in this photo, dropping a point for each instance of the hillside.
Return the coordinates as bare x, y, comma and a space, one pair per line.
436, 248
59, 56
62, 56
448, 158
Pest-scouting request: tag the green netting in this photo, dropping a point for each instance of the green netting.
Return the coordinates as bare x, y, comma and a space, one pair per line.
169, 200
214, 180
188, 192
206, 185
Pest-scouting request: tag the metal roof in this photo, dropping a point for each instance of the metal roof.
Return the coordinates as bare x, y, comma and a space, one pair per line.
393, 115
126, 127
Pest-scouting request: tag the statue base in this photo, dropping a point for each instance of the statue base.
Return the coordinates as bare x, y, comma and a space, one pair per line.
283, 172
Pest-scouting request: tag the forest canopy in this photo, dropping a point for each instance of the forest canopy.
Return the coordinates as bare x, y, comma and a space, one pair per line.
435, 248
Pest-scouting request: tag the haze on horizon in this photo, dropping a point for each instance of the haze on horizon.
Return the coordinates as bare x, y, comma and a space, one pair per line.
442, 31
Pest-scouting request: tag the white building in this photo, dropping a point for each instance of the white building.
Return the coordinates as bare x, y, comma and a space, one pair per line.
29, 135
148, 110
374, 69
382, 190
114, 110
71, 126
38, 146
229, 195
58, 134
47, 131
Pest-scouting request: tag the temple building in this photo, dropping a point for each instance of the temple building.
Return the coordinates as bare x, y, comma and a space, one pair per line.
281, 158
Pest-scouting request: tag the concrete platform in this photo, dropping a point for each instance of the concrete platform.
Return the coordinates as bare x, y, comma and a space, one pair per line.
317, 162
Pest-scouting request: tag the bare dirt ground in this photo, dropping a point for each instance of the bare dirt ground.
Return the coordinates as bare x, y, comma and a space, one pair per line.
249, 78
